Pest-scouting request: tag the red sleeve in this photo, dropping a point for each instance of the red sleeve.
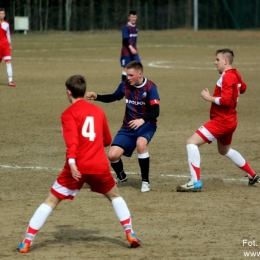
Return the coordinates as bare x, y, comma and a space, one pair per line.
70, 135
242, 87
227, 90
107, 139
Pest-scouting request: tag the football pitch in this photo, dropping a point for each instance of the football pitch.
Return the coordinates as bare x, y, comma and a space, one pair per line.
220, 222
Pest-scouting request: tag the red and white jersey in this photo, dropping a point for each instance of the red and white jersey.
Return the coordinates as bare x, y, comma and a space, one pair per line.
227, 91
86, 132
5, 37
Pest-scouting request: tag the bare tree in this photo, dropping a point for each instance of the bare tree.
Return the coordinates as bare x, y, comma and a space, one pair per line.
60, 15
40, 14
91, 15
68, 14
169, 14
46, 15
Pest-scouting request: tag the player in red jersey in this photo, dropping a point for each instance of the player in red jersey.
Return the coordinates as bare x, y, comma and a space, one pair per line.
139, 123
5, 46
85, 132
222, 124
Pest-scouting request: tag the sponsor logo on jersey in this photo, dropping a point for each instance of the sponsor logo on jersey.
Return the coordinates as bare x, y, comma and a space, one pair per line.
133, 35
133, 102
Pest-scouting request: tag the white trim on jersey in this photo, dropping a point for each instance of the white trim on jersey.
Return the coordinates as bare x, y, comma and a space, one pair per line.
217, 101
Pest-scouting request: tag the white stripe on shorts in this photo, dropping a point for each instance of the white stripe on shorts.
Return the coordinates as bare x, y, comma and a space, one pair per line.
206, 133
63, 190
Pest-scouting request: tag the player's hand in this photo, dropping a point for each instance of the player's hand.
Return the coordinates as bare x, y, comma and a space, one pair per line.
74, 171
91, 96
135, 124
205, 94
133, 50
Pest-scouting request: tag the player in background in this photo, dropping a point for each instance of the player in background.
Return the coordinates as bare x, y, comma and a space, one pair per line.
222, 124
129, 40
139, 123
86, 133
5, 46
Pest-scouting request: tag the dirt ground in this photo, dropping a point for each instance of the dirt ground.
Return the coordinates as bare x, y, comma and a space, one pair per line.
218, 223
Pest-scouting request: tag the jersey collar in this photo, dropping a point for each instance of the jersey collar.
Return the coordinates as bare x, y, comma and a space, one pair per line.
142, 84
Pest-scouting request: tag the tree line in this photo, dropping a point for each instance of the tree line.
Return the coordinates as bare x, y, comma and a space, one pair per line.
84, 15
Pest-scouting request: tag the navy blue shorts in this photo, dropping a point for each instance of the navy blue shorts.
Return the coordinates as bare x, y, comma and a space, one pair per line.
124, 60
126, 137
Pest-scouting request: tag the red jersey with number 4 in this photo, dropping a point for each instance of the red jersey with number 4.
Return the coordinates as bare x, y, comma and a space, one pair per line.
86, 132
227, 91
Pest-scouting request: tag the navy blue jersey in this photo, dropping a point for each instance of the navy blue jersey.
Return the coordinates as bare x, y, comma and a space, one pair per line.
129, 31
139, 99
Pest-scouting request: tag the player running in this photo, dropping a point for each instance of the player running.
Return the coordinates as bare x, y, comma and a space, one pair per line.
5, 46
222, 124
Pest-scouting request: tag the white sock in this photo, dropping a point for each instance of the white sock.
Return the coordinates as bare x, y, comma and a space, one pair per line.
9, 71
40, 216
235, 157
123, 214
120, 208
194, 161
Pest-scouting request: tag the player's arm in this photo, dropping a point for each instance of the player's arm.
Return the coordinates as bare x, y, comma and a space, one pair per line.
8, 36
108, 98
126, 41
205, 94
70, 135
153, 114
229, 92
154, 101
103, 98
242, 87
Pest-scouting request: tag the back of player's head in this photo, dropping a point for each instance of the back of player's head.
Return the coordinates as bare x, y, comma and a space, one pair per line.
227, 53
132, 12
135, 65
77, 85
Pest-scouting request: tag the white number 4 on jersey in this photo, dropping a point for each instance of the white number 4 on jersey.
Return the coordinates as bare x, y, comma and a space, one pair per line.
88, 128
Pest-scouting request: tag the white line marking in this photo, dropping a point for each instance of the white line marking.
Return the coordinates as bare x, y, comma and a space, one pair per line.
39, 168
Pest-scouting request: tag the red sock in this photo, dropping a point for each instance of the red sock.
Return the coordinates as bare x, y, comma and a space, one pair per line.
30, 234
248, 170
127, 225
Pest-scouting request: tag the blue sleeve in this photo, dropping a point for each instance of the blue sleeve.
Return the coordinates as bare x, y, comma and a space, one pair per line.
153, 93
125, 32
120, 92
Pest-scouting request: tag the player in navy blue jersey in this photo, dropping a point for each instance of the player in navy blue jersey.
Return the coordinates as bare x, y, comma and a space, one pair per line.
129, 39
139, 123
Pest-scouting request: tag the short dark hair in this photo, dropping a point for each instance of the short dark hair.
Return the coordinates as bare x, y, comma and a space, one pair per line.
135, 65
2, 9
77, 85
132, 12
229, 54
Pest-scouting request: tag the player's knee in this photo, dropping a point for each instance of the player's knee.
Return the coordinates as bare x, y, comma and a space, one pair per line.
141, 148
112, 157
